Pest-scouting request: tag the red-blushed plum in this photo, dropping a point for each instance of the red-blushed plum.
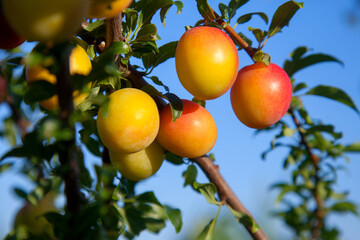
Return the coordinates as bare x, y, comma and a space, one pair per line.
206, 62
261, 95
192, 135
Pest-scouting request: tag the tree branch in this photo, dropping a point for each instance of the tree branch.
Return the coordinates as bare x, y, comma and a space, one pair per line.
67, 153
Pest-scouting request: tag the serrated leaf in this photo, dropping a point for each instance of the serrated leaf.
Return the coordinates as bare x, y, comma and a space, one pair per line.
334, 94
283, 15
291, 67
205, 10
174, 215
247, 17
208, 190
190, 175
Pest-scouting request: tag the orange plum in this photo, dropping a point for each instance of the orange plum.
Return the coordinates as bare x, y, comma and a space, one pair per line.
192, 135
206, 62
107, 8
261, 95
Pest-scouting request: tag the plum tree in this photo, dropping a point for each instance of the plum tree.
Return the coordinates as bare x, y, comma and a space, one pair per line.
124, 123
129, 122
79, 64
206, 62
44, 20
192, 135
261, 95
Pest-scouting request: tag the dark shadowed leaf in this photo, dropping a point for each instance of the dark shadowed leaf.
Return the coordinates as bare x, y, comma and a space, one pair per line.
205, 10
174, 159
39, 90
175, 104
283, 15
151, 7
291, 67
247, 17
334, 94
234, 5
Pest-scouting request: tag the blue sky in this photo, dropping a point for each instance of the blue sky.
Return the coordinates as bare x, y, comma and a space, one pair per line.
321, 25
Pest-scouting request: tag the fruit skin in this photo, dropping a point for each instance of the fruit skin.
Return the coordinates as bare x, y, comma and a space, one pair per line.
131, 122
44, 20
3, 89
106, 8
29, 216
206, 62
192, 135
261, 95
139, 165
9, 38
79, 64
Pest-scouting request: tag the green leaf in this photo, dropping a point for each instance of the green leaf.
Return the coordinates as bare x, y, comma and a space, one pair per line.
175, 218
165, 10
175, 104
174, 159
205, 10
208, 190
166, 52
245, 219
190, 175
38, 91
283, 15
234, 5
343, 207
208, 232
247, 17
147, 33
157, 81
151, 7
291, 67
299, 87
323, 128
258, 33
224, 9
355, 147
334, 94
198, 101
148, 197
